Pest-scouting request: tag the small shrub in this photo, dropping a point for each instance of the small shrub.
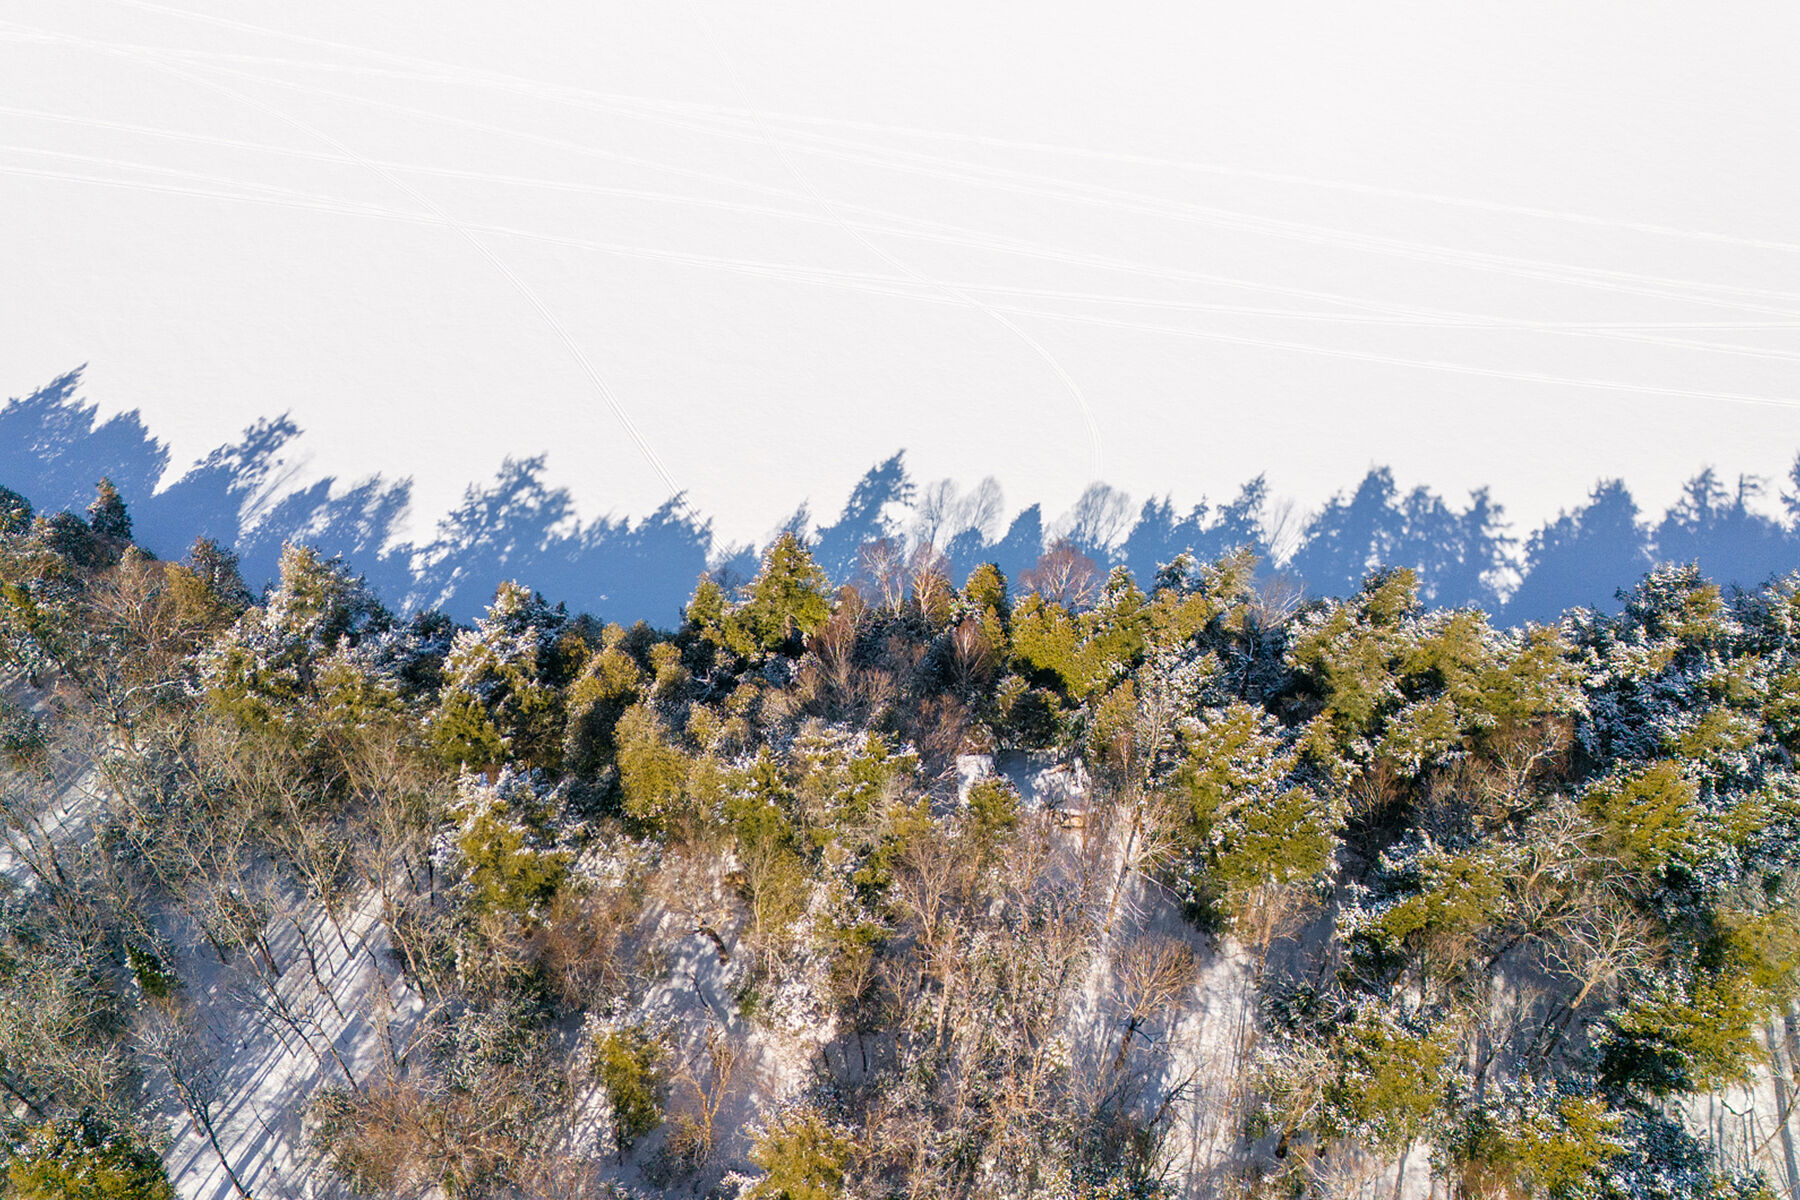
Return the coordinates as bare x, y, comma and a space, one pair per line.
85, 1159
993, 809
630, 1064
370, 1139
156, 980
681, 1154
23, 744
803, 1158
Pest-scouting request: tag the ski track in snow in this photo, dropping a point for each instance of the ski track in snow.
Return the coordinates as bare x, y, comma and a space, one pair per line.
1041, 291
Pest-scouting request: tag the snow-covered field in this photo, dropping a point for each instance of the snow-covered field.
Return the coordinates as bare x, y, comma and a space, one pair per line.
747, 252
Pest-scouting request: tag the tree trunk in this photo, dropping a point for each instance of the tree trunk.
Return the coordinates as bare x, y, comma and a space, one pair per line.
1779, 1067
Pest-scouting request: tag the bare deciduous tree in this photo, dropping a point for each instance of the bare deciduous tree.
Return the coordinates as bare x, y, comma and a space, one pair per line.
706, 1078
191, 1072
1063, 575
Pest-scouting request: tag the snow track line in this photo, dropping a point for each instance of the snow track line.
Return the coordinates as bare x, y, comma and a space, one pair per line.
451, 73
861, 153
983, 241
1031, 183
821, 277
1423, 364
522, 181
902, 288
1282, 177
1095, 195
1450, 319
1097, 461
972, 239
874, 284
1472, 321
676, 493
1405, 315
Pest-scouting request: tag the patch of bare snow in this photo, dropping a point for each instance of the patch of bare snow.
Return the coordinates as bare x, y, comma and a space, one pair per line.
358, 1017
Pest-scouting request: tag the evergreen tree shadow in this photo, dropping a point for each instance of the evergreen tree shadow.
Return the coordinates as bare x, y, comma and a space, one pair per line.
867, 518
1584, 557
54, 448
1014, 552
518, 528
1716, 529
1161, 534
1461, 557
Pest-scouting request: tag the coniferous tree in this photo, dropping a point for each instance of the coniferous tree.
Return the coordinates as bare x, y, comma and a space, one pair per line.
788, 599
15, 514
106, 515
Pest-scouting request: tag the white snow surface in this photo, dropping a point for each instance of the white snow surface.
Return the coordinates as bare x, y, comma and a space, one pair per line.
748, 251
1043, 779
268, 1072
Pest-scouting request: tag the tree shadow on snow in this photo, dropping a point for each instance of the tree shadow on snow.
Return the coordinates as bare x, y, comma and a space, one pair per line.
246, 495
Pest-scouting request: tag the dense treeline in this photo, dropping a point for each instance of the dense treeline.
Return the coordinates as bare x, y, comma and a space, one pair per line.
1501, 901
519, 525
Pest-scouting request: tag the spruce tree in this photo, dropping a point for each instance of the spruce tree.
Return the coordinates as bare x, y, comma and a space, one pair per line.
106, 515
789, 598
15, 514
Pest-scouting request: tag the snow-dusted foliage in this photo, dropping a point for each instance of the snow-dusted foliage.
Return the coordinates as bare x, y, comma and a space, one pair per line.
1080, 885
501, 698
304, 637
502, 851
